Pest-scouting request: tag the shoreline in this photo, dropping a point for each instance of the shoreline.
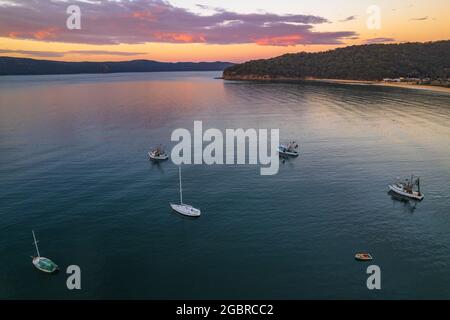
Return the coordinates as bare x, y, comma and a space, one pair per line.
348, 82
385, 84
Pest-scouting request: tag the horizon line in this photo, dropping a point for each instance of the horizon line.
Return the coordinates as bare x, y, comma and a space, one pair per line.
44, 58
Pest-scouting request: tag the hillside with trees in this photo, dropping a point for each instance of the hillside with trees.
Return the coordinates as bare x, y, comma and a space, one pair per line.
24, 66
364, 62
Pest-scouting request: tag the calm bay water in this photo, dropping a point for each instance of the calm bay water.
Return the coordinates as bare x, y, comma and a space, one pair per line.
73, 167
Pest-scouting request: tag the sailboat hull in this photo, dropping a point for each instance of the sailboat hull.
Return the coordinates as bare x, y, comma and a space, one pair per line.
45, 265
185, 210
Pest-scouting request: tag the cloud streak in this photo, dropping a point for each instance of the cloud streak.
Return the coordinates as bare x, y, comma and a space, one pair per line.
51, 54
350, 18
419, 19
378, 40
140, 21
40, 54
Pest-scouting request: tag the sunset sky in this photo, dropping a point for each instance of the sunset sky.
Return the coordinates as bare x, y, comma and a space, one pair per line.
210, 30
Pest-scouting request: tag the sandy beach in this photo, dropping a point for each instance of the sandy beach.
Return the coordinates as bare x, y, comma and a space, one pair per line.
342, 81
385, 84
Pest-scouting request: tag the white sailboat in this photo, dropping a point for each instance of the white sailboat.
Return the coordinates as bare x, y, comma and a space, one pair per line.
184, 209
42, 263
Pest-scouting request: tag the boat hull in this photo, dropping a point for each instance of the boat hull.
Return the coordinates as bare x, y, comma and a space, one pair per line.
363, 257
158, 158
185, 210
415, 195
287, 153
45, 265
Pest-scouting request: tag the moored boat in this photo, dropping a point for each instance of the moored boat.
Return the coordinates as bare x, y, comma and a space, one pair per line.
41, 263
406, 188
288, 150
158, 153
182, 208
45, 264
186, 210
364, 256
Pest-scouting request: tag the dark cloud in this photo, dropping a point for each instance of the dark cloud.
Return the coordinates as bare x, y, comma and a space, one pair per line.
33, 53
62, 54
419, 19
349, 18
105, 52
139, 21
378, 40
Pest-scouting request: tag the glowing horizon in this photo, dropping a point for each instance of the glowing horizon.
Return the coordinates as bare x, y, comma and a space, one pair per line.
186, 30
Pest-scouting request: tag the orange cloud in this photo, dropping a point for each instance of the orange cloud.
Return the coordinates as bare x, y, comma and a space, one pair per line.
45, 34
144, 15
13, 34
179, 37
291, 40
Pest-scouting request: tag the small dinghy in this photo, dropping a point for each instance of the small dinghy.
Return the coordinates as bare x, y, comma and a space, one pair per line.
406, 188
290, 150
158, 153
42, 263
184, 209
363, 257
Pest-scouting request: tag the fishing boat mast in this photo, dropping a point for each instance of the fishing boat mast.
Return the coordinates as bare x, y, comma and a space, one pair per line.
418, 184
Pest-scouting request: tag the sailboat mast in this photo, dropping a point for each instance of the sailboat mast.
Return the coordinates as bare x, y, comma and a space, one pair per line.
35, 243
181, 189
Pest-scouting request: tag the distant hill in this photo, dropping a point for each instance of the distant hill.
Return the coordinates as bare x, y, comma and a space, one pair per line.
22, 66
364, 62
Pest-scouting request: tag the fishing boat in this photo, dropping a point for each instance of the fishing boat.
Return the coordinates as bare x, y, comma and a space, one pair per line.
364, 256
42, 263
406, 188
182, 208
288, 150
158, 153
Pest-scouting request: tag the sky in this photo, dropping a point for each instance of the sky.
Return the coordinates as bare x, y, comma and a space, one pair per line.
210, 30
